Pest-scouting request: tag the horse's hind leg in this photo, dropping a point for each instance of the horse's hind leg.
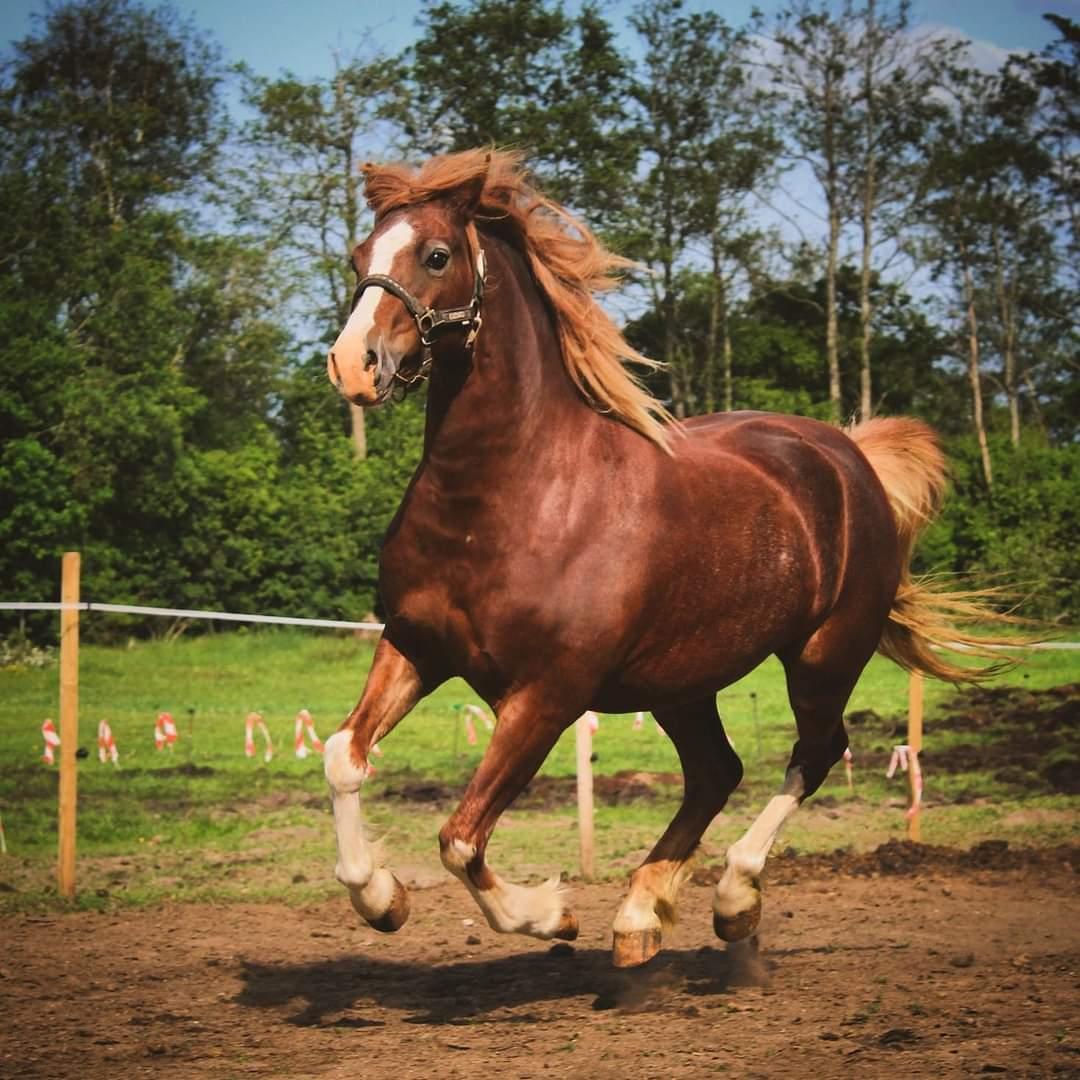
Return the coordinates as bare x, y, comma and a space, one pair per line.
528, 726
711, 771
820, 680
393, 688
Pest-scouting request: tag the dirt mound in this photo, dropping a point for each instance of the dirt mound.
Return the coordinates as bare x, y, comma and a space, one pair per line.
903, 858
546, 792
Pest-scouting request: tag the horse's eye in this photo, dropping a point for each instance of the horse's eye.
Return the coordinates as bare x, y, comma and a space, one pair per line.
437, 259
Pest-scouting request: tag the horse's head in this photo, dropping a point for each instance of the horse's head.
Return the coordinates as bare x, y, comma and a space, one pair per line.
420, 286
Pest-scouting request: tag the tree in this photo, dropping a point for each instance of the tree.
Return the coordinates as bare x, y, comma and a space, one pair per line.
522, 73
855, 93
128, 335
987, 213
703, 150
301, 194
894, 102
816, 84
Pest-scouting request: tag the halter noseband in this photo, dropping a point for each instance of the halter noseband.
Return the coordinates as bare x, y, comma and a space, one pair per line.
431, 322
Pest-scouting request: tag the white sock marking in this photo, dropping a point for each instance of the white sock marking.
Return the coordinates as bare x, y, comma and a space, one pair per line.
746, 857
371, 887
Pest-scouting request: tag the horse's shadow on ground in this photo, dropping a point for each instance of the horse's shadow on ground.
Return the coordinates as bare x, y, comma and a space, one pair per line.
460, 992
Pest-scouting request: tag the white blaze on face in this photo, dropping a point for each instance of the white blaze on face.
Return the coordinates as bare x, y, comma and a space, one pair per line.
353, 336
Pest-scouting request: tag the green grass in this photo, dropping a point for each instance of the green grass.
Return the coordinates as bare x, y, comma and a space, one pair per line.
204, 821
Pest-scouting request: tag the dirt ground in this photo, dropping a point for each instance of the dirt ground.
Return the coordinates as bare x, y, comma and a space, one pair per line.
910, 961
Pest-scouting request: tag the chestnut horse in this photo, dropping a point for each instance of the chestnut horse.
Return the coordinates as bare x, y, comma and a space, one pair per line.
564, 545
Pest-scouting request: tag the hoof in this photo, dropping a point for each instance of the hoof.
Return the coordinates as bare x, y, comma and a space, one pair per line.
396, 915
635, 948
739, 926
567, 930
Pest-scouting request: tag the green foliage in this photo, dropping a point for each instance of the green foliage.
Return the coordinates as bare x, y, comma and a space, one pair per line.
163, 400
1026, 537
526, 74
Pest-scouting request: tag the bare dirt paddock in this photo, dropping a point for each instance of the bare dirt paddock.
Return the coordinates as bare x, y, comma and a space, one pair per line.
909, 962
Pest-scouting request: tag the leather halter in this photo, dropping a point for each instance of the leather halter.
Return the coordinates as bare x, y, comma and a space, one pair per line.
432, 323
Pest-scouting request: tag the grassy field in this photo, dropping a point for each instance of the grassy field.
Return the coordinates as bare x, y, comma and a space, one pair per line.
205, 821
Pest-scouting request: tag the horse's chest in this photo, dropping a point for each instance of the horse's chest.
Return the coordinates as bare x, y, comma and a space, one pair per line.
436, 581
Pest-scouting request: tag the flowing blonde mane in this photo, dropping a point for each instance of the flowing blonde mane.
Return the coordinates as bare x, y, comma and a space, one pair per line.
567, 261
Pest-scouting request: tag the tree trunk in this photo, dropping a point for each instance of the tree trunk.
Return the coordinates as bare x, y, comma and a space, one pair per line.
359, 431
869, 195
975, 379
347, 122
1007, 314
713, 340
679, 378
832, 197
729, 380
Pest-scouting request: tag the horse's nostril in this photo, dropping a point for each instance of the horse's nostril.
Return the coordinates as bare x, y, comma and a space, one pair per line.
370, 360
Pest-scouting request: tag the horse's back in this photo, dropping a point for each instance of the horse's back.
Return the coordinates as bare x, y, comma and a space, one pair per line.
762, 526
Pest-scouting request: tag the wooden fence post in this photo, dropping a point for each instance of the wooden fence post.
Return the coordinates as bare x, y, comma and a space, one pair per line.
69, 723
583, 744
914, 739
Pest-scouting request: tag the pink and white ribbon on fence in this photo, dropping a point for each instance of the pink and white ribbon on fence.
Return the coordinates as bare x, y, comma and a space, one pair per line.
305, 726
106, 744
252, 722
52, 742
165, 733
906, 757
471, 712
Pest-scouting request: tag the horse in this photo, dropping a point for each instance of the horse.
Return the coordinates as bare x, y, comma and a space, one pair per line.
566, 545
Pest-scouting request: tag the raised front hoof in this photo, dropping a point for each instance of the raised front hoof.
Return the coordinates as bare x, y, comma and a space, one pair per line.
395, 916
740, 926
567, 930
636, 947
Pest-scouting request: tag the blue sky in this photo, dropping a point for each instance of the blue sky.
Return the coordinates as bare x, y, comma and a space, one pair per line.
300, 35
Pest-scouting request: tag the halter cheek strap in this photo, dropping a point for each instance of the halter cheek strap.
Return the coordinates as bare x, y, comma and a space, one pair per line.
432, 322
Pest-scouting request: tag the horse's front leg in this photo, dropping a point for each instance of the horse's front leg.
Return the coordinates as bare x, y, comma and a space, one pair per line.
527, 729
393, 688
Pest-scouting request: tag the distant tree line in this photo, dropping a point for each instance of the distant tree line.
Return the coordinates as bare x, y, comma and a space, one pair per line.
173, 268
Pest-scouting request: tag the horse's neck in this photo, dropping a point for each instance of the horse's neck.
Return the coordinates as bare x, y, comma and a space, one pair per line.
513, 394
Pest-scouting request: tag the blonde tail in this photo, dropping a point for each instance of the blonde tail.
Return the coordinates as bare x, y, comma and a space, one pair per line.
909, 462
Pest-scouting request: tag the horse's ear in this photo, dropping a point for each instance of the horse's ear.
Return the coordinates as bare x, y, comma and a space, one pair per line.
469, 195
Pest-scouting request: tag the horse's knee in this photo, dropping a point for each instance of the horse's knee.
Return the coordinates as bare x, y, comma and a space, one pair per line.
342, 773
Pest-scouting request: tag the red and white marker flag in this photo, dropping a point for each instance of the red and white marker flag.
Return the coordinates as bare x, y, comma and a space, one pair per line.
849, 768
907, 757
305, 724
481, 715
639, 721
106, 744
470, 712
252, 721
52, 742
165, 733
593, 721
